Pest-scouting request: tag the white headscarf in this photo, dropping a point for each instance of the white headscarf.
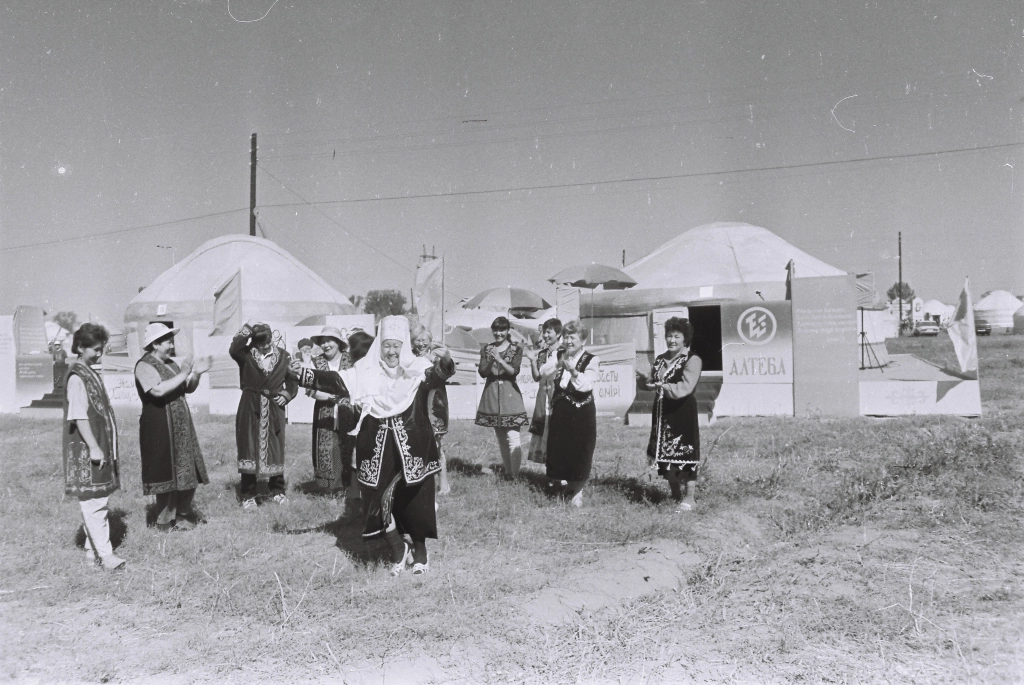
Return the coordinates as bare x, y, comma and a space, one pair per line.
380, 391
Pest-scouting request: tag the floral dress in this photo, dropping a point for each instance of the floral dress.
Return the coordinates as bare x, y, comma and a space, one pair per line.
675, 435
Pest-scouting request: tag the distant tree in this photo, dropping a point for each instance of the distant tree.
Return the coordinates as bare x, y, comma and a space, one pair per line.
66, 320
383, 303
900, 291
357, 301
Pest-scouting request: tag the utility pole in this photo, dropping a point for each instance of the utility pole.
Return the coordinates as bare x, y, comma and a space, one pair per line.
899, 281
623, 258
252, 186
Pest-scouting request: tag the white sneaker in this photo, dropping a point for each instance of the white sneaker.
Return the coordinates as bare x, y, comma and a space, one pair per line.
577, 500
280, 499
249, 504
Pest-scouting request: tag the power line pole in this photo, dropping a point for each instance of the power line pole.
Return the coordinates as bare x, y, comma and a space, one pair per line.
252, 186
899, 281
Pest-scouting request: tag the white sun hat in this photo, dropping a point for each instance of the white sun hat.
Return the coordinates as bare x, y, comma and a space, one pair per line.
155, 331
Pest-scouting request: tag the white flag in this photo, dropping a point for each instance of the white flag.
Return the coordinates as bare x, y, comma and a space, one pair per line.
227, 306
427, 295
961, 332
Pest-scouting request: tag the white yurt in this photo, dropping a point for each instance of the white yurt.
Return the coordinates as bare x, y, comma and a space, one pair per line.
997, 308
933, 309
269, 284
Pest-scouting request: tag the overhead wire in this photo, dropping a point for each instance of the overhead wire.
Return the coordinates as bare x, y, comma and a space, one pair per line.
327, 216
120, 231
667, 177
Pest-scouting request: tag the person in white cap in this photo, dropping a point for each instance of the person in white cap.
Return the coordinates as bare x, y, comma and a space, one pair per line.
333, 418
260, 420
90, 444
395, 444
172, 463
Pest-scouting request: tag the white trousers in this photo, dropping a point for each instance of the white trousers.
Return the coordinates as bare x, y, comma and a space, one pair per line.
511, 452
97, 528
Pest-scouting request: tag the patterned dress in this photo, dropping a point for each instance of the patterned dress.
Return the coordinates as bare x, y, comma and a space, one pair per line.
260, 422
333, 448
572, 433
82, 478
397, 456
169, 448
501, 404
675, 434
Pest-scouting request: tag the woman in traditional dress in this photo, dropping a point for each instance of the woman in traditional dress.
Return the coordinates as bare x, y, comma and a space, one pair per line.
90, 443
501, 404
260, 421
423, 345
675, 436
572, 434
172, 463
395, 444
543, 364
332, 419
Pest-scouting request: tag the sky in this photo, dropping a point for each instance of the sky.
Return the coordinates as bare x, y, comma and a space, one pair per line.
515, 139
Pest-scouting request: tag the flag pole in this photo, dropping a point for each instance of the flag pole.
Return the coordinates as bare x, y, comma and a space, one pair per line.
442, 299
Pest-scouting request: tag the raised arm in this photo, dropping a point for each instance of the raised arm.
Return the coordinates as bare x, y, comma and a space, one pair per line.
442, 370
691, 374
240, 343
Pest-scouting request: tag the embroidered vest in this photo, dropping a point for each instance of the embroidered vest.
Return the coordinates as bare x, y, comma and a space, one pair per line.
577, 397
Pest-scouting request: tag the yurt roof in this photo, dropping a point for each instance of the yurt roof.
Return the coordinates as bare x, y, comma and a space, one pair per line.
269, 274
998, 299
935, 306
724, 253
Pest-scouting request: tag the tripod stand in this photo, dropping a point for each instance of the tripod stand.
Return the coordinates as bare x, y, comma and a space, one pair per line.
865, 347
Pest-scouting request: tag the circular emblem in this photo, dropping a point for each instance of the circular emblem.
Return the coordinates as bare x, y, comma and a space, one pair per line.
756, 326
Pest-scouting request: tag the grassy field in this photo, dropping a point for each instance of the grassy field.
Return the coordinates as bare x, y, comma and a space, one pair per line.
842, 551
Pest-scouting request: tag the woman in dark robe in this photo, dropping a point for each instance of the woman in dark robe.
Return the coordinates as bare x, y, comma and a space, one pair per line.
423, 345
332, 418
675, 435
260, 421
572, 433
395, 445
172, 463
90, 444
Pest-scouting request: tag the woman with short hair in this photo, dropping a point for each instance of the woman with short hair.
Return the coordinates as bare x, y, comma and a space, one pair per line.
572, 434
501, 403
172, 463
90, 443
395, 444
675, 434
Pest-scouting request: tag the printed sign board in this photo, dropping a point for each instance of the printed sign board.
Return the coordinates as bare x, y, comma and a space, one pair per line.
825, 347
757, 342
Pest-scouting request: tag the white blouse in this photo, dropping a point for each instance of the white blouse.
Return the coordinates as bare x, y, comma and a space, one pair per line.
585, 381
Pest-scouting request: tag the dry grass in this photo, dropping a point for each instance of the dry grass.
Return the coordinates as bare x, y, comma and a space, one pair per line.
832, 551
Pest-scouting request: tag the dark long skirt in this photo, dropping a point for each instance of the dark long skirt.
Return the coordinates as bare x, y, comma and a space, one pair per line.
572, 435
169, 450
411, 505
675, 435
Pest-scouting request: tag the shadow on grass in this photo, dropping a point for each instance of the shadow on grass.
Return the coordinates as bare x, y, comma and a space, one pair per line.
311, 489
348, 536
466, 468
118, 529
634, 490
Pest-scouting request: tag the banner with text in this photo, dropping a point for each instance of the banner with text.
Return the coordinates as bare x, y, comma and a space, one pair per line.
757, 342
